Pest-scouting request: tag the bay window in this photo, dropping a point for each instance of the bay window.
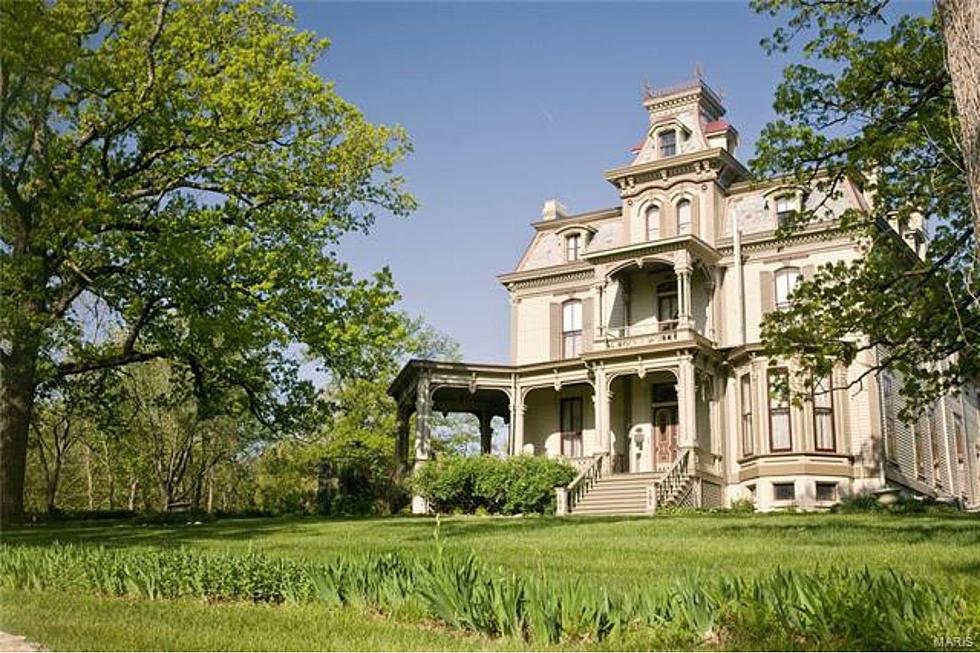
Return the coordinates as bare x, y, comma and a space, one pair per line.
780, 425
823, 414
745, 396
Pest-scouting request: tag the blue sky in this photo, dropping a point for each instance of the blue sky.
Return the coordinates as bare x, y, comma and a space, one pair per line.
509, 105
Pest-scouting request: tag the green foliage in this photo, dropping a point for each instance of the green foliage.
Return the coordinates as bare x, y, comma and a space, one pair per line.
873, 105
742, 506
903, 503
176, 182
286, 478
828, 609
518, 484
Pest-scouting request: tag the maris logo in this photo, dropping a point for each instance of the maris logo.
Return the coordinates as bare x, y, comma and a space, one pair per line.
953, 642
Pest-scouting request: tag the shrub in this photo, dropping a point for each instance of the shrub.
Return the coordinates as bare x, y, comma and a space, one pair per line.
520, 484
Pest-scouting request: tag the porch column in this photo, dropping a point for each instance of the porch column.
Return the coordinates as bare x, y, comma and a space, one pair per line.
686, 394
683, 273
517, 427
401, 439
423, 414
486, 431
600, 401
710, 285
601, 305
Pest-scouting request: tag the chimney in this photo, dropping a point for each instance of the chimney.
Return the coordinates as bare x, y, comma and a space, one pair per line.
553, 210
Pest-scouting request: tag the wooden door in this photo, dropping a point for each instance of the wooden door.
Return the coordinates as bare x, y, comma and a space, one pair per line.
664, 437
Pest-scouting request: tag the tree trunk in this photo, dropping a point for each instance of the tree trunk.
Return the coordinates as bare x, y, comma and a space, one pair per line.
961, 31
132, 495
89, 479
16, 406
51, 488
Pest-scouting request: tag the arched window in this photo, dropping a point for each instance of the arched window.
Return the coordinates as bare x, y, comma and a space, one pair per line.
571, 328
653, 222
667, 143
684, 217
786, 281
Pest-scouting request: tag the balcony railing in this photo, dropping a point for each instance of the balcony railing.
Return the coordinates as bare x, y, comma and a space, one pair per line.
639, 335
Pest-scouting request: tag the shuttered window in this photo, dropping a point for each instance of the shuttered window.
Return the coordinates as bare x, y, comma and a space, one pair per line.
786, 281
571, 328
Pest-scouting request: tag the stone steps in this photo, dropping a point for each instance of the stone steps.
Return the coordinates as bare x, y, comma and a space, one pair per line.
618, 494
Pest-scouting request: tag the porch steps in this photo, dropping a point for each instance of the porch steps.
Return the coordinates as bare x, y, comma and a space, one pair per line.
617, 494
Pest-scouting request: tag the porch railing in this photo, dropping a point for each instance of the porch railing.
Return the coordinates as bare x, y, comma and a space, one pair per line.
672, 482
571, 494
636, 335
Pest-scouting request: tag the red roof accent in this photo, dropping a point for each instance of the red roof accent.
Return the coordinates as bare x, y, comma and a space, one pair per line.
716, 126
638, 146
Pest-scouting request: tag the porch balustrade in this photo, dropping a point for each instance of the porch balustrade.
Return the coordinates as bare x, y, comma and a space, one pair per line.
639, 335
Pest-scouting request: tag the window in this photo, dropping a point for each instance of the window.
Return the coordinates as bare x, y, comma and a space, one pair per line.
785, 209
667, 143
571, 328
667, 306
920, 434
937, 480
958, 438
573, 247
784, 492
891, 414
684, 217
653, 222
786, 281
823, 414
571, 427
826, 492
745, 384
780, 429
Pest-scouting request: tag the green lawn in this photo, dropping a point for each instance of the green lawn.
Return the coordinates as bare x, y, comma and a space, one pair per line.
943, 549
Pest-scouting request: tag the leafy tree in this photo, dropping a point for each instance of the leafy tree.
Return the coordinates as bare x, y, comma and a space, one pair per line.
874, 103
177, 172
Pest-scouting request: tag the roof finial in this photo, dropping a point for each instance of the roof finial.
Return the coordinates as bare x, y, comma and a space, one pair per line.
647, 89
698, 70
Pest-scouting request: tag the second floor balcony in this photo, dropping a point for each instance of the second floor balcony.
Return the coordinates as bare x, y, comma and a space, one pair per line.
655, 303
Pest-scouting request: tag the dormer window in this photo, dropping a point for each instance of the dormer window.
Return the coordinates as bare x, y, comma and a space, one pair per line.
684, 217
653, 222
785, 209
667, 143
573, 247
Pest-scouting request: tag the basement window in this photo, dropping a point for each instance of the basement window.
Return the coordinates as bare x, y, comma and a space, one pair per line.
826, 492
784, 492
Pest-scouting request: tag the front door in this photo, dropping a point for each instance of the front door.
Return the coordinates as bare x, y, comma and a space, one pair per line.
664, 436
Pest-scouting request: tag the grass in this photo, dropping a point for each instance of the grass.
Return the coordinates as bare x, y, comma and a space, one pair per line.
617, 553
